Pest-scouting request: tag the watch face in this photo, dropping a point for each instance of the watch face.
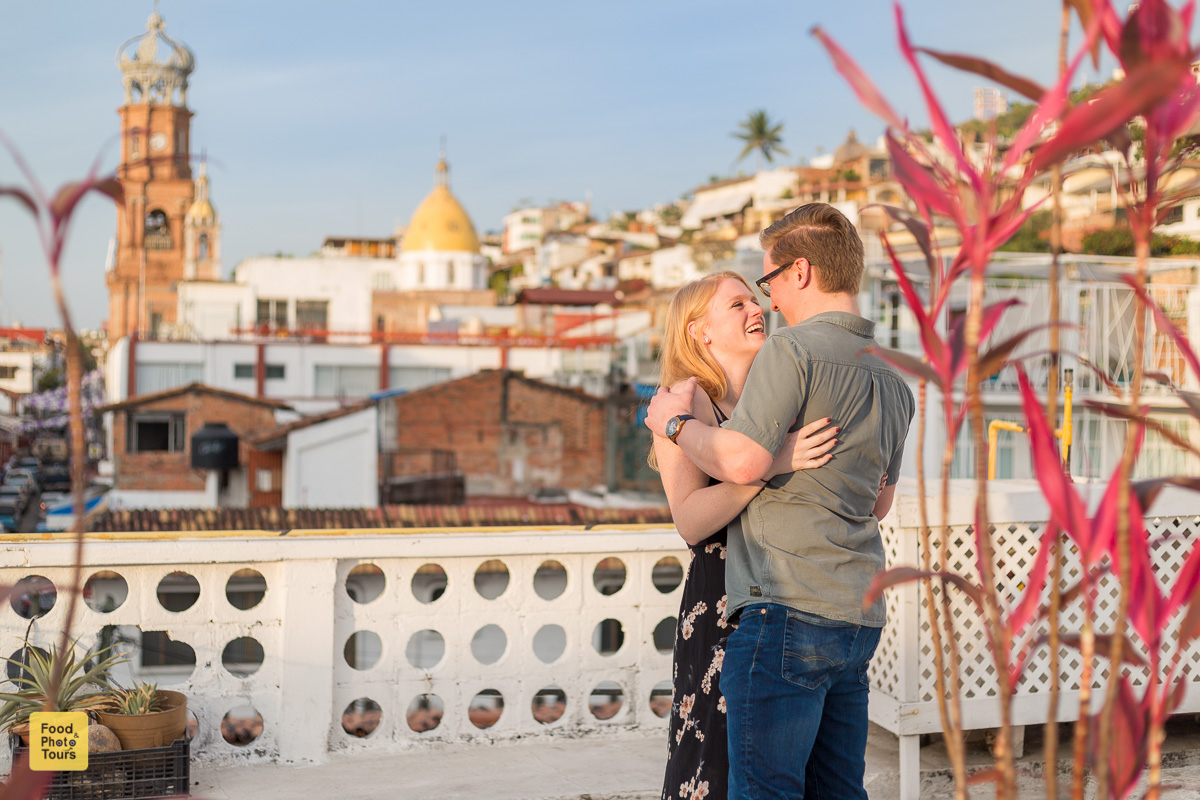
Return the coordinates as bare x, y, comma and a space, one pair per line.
158, 141
672, 427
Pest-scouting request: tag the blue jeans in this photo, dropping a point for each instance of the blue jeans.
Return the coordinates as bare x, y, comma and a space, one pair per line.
795, 688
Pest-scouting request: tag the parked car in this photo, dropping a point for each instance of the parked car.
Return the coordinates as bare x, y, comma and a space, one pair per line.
56, 477
17, 495
24, 478
10, 517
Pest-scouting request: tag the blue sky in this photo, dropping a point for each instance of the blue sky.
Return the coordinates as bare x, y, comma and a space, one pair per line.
323, 118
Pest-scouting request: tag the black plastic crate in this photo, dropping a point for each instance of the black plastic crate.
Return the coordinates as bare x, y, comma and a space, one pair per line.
149, 772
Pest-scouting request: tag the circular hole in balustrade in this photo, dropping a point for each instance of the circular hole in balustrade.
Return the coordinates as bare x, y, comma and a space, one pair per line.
491, 579
486, 709
549, 705
608, 637
362, 717
153, 656
245, 588
20, 659
425, 712
241, 725
242, 657
365, 583
660, 699
363, 649
33, 596
178, 591
550, 580
425, 649
664, 635
667, 574
606, 700
609, 576
429, 583
549, 643
488, 644
105, 591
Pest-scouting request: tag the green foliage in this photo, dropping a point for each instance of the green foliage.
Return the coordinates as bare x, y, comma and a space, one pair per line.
1007, 124
1119, 241
787, 194
670, 215
759, 133
50, 379
849, 175
141, 698
1031, 237
35, 683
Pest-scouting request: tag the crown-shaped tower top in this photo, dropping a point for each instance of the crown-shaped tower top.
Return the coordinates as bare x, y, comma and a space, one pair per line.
154, 67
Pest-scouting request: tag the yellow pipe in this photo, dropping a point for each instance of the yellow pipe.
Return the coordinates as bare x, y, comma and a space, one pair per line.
994, 428
1067, 428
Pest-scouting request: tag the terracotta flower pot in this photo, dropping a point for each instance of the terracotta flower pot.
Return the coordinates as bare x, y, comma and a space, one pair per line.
150, 730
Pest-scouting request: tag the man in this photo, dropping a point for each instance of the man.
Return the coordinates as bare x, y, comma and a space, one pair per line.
795, 670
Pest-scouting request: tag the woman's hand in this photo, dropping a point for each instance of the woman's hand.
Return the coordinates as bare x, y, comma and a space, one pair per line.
806, 448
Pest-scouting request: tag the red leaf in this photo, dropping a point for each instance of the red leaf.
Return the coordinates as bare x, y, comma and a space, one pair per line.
934, 347
70, 194
919, 230
896, 575
1066, 509
21, 196
1165, 325
989, 775
1141, 91
1184, 591
920, 182
942, 128
1127, 755
1085, 11
907, 363
868, 95
989, 70
23, 783
1104, 646
991, 317
1031, 601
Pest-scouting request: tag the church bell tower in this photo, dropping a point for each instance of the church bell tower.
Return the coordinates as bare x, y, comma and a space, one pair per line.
151, 253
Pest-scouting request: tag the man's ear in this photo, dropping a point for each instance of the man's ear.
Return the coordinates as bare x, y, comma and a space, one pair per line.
803, 272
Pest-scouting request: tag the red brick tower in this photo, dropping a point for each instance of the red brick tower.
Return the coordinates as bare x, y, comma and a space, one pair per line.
157, 178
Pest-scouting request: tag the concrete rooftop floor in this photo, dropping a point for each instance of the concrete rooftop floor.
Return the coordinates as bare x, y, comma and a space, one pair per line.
615, 766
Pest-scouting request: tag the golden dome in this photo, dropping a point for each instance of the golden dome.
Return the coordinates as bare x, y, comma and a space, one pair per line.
202, 208
440, 222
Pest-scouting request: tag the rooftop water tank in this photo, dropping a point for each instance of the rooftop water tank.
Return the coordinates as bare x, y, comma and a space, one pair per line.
214, 447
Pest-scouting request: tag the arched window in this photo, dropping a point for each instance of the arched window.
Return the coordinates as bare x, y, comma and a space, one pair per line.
156, 223
202, 247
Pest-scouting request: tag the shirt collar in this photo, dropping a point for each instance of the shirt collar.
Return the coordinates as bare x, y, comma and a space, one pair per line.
860, 326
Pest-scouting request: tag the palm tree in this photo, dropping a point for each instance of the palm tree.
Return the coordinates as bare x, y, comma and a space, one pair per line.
761, 137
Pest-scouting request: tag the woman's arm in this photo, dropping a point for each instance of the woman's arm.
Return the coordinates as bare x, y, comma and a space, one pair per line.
700, 510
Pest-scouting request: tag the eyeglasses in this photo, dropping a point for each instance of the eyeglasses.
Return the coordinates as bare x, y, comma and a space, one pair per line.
764, 283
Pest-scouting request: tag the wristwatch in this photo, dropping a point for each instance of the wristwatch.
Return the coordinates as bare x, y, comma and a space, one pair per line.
675, 425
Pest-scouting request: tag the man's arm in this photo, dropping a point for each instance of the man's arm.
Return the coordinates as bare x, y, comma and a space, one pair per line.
724, 454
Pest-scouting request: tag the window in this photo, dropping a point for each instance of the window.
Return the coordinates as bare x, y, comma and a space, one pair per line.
345, 381
7, 372
160, 377
151, 432
450, 273
274, 371
1173, 216
272, 314
202, 248
158, 232
312, 315
381, 282
263, 480
411, 378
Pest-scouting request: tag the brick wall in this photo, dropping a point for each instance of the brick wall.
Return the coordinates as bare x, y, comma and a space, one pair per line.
164, 471
510, 435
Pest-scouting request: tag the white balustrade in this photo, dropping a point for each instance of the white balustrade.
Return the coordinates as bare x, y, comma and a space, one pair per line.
359, 640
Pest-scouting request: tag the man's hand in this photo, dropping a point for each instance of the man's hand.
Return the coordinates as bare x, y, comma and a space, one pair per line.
668, 403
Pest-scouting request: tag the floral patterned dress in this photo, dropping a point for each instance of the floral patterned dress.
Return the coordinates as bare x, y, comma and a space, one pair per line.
697, 758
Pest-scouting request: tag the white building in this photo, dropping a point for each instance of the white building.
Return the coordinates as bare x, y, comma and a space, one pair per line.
527, 228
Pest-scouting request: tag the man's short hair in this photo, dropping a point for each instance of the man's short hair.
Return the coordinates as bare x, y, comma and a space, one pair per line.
823, 235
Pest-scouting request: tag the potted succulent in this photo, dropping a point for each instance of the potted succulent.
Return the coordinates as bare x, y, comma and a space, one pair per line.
143, 715
82, 686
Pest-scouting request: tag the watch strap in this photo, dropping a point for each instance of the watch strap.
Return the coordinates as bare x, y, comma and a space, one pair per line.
679, 420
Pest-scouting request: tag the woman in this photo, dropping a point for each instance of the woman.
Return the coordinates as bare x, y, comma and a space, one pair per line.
713, 330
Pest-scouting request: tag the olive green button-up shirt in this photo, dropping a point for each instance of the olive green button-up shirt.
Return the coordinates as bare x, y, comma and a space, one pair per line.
808, 540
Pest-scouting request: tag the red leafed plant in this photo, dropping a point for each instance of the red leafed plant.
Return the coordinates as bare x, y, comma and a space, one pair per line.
983, 198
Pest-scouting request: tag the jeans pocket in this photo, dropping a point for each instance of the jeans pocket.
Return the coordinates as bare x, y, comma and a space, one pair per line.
814, 652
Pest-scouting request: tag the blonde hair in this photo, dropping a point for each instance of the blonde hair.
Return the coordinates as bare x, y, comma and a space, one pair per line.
682, 356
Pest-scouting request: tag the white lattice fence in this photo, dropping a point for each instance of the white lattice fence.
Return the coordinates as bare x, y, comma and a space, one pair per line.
904, 673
